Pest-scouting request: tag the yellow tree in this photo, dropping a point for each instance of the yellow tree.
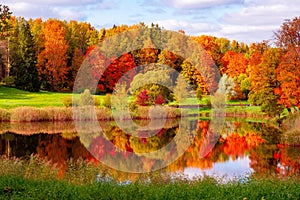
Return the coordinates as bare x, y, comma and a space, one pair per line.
263, 80
52, 60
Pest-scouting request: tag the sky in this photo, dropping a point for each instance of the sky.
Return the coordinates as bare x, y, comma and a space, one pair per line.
243, 20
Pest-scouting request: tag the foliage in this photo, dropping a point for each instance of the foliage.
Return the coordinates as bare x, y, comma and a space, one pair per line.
9, 81
143, 98
289, 78
244, 84
107, 100
155, 83
53, 51
23, 58
181, 89
288, 34
122, 67
226, 86
234, 63
52, 60
159, 100
86, 99
119, 99
264, 81
67, 101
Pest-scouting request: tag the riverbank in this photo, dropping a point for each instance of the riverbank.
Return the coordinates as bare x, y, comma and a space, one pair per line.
22, 106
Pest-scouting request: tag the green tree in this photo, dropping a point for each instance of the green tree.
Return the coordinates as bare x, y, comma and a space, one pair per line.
156, 82
23, 58
181, 89
119, 98
5, 26
244, 83
226, 86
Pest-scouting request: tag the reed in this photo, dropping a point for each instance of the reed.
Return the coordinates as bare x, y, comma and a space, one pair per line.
146, 112
4, 115
82, 113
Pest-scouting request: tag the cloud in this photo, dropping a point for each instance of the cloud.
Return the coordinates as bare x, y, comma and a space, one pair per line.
262, 14
245, 33
54, 2
68, 14
241, 33
156, 10
107, 5
258, 20
35, 11
200, 4
31, 11
188, 27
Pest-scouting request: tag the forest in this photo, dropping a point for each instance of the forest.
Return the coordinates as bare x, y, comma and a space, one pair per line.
46, 55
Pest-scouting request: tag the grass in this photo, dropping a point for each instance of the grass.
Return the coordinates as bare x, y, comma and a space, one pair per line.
20, 188
12, 98
38, 179
18, 105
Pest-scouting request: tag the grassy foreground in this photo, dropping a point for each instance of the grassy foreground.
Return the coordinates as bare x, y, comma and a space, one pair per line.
12, 98
20, 188
38, 179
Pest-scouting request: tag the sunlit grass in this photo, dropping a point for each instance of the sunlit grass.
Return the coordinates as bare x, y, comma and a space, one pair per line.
12, 98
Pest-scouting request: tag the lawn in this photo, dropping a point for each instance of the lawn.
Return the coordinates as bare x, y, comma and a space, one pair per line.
11, 98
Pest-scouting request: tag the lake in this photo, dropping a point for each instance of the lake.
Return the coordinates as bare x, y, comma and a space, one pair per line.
190, 150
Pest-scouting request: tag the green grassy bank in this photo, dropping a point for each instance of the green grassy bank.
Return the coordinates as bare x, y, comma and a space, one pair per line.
39, 179
12, 187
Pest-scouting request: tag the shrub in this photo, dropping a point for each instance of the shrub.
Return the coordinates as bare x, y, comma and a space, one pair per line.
97, 101
4, 115
160, 100
107, 100
9, 81
143, 99
67, 101
86, 99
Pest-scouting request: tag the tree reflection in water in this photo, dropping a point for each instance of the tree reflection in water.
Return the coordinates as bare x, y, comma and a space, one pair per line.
257, 145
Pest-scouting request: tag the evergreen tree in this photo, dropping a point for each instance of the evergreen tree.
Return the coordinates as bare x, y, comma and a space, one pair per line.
23, 57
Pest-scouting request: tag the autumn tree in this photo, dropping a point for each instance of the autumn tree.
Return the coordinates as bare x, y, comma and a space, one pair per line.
155, 83
289, 34
52, 61
79, 36
235, 64
181, 89
122, 67
289, 78
288, 38
214, 47
23, 58
264, 81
